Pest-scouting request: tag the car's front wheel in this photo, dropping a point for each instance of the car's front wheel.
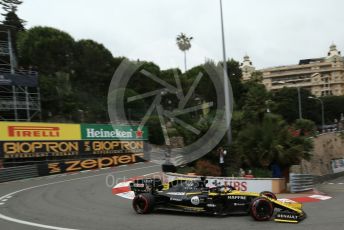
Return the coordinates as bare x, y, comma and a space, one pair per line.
143, 203
261, 209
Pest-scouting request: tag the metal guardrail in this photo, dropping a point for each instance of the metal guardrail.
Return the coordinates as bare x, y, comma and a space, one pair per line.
323, 178
18, 173
301, 182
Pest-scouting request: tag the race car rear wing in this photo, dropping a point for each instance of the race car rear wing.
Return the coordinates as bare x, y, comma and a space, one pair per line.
146, 185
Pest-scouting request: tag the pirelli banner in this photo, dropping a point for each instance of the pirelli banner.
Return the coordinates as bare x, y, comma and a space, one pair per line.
27, 131
19, 140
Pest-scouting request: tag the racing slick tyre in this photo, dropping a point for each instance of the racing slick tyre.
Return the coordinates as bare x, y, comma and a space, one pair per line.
268, 194
261, 209
143, 203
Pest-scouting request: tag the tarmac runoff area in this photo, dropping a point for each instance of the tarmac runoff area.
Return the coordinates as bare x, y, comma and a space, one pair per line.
85, 200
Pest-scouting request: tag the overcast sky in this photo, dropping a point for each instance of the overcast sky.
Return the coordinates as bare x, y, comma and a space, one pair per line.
271, 32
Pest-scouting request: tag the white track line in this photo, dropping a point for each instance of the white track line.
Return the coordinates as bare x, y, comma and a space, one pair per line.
52, 183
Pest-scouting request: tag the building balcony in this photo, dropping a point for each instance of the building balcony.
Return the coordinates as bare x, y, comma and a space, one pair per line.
299, 72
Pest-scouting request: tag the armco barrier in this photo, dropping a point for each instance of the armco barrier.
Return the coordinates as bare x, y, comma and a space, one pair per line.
301, 182
321, 179
18, 173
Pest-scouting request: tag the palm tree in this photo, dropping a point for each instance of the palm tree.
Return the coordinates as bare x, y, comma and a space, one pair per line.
184, 44
271, 141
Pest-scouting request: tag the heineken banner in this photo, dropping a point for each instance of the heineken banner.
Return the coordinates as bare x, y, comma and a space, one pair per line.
109, 132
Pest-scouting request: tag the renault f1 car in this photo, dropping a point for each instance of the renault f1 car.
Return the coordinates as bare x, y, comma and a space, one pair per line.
194, 196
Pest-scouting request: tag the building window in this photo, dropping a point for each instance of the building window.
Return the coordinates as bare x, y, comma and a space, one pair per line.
326, 93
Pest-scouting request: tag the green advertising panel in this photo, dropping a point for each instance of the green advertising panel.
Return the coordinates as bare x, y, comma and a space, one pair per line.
109, 132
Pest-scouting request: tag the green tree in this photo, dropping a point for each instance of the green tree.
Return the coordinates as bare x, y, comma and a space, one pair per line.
306, 127
140, 82
333, 107
57, 97
49, 49
12, 19
287, 105
93, 63
271, 141
10, 5
235, 78
170, 74
93, 69
184, 44
255, 101
16, 25
205, 88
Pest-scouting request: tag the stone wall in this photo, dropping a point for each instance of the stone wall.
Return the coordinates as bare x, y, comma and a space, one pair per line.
327, 147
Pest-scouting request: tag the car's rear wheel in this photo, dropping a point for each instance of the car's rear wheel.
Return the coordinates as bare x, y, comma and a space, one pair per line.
143, 203
268, 194
261, 209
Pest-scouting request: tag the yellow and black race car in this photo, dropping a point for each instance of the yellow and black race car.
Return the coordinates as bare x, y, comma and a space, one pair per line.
193, 196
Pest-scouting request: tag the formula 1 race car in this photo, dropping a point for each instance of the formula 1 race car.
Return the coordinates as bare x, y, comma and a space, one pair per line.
188, 195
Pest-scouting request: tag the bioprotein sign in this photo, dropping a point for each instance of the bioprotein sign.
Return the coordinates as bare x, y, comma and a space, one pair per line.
35, 140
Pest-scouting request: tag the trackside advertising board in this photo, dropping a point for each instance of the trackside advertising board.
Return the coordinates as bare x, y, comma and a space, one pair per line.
30, 131
20, 140
337, 165
34, 149
109, 132
91, 163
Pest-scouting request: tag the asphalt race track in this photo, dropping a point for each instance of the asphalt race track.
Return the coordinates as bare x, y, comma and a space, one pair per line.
84, 201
